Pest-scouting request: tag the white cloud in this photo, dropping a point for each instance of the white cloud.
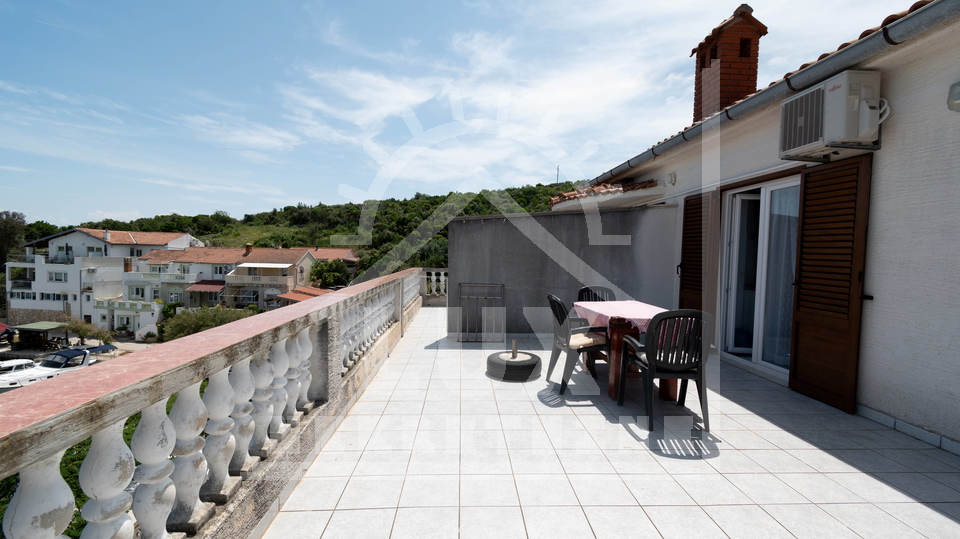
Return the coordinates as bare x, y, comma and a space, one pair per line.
100, 215
15, 169
238, 132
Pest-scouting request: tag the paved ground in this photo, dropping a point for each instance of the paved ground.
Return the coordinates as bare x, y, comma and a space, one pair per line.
434, 448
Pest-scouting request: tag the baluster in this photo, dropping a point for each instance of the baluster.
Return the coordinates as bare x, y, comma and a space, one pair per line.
189, 415
290, 413
244, 387
105, 473
260, 444
278, 356
443, 284
306, 377
43, 504
152, 443
220, 445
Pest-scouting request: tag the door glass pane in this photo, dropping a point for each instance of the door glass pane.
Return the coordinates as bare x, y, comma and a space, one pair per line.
745, 293
781, 265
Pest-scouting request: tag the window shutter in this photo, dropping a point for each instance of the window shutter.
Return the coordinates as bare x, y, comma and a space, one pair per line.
834, 205
699, 251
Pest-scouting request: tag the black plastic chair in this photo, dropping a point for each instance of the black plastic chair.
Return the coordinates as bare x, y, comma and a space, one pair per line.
595, 293
573, 336
676, 346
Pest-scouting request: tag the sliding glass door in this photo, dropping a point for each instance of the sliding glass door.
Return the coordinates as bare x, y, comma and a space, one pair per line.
760, 264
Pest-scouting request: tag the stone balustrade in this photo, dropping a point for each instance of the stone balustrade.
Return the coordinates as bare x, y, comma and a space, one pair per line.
216, 465
434, 286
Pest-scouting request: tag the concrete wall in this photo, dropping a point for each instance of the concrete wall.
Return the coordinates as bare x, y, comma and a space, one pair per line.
551, 253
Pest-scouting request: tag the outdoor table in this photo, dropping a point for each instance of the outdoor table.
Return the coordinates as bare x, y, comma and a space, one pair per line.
623, 318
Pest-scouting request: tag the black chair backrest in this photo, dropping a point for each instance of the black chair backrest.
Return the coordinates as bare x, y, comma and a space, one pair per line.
679, 340
595, 293
560, 313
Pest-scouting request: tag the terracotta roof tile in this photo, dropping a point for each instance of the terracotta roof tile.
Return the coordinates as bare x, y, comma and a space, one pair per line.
196, 255
123, 237
330, 253
266, 255
602, 189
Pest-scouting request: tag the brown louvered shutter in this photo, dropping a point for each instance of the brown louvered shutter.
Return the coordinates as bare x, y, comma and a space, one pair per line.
834, 204
698, 250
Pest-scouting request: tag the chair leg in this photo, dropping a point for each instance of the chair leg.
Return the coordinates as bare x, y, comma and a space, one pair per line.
622, 390
702, 390
648, 396
572, 357
682, 397
554, 355
591, 364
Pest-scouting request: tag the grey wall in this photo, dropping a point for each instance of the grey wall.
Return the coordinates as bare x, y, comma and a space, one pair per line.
551, 253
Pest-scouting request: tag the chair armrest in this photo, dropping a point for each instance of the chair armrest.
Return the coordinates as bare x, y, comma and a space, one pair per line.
630, 345
589, 329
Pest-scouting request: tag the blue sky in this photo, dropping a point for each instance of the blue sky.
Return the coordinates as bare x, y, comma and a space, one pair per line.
130, 109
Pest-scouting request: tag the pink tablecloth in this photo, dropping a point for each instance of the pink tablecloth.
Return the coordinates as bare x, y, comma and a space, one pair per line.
599, 313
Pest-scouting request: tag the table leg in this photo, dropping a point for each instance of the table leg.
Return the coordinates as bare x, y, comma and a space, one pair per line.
668, 389
618, 328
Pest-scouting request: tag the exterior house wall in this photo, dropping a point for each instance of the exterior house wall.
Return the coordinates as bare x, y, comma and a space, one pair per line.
908, 361
494, 250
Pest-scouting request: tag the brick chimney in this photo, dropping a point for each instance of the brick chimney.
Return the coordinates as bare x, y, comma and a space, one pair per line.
247, 249
727, 63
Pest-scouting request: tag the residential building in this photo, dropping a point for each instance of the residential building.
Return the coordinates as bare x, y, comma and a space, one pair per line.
830, 271
262, 274
64, 274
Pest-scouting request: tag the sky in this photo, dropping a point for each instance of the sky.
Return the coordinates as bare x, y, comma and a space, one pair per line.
112, 109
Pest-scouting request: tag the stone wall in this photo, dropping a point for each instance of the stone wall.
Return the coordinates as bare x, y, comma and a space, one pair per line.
18, 317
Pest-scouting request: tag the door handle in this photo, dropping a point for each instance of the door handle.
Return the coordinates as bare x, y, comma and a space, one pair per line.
866, 297
680, 265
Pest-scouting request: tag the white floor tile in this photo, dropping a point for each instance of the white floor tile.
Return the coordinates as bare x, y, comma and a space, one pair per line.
491, 522
367, 523
426, 523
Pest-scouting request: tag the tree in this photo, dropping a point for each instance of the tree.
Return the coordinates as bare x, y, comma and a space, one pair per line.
80, 328
12, 226
39, 229
204, 318
331, 273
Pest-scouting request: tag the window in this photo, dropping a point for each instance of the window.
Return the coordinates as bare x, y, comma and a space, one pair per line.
94, 251
158, 269
74, 297
214, 296
253, 271
156, 294
103, 318
23, 295
250, 296
220, 271
760, 267
87, 297
123, 321
57, 276
132, 250
51, 297
184, 269
137, 292
176, 296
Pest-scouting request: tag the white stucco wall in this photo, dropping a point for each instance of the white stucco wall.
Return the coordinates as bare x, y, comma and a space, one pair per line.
909, 362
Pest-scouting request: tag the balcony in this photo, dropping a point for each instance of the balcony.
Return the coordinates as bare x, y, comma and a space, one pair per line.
421, 443
172, 278
21, 284
138, 306
22, 258
276, 280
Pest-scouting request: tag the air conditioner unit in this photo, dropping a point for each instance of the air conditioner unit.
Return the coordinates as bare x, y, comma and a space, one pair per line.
837, 118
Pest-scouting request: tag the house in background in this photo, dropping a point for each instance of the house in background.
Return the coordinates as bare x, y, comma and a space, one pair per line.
823, 241
65, 273
262, 274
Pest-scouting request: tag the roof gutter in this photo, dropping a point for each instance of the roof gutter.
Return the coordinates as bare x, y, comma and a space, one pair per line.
895, 33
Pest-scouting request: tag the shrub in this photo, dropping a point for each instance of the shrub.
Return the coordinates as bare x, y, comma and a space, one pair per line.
188, 323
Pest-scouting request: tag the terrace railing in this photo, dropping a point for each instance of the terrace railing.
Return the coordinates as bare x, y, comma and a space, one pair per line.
219, 462
28, 258
434, 286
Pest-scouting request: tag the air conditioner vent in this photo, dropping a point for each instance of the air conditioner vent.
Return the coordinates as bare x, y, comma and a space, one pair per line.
835, 119
801, 120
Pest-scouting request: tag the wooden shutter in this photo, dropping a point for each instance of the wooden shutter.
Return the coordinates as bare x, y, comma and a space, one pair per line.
834, 203
698, 251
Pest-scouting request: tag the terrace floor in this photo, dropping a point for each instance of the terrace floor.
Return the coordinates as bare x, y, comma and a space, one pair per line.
434, 448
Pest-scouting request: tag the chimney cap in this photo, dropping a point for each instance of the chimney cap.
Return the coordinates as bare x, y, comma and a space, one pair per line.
742, 13
247, 249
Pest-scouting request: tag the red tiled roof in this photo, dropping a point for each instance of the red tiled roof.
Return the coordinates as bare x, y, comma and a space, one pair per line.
206, 286
312, 291
602, 189
890, 19
297, 296
195, 255
266, 255
123, 237
330, 253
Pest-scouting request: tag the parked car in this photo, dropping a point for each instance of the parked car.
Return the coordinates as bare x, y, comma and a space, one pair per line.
55, 364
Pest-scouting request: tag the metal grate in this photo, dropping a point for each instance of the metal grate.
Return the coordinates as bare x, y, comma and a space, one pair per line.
801, 120
483, 313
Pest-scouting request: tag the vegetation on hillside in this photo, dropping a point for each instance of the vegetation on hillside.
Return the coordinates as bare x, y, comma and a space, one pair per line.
194, 321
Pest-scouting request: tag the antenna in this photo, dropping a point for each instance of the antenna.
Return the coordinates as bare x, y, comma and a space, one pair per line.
558, 173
